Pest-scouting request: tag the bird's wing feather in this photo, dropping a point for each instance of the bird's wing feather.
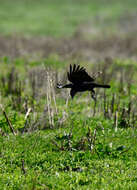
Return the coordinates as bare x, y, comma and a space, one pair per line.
78, 75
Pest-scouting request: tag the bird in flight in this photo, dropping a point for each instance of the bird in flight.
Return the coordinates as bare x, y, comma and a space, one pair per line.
81, 81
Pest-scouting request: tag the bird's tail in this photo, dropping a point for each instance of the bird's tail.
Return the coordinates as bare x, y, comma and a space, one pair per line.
101, 85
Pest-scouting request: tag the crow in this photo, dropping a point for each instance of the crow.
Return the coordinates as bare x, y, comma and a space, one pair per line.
81, 81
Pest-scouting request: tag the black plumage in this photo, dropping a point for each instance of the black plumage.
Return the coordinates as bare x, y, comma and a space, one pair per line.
81, 81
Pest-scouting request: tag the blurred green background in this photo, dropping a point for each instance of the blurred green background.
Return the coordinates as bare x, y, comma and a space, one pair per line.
61, 18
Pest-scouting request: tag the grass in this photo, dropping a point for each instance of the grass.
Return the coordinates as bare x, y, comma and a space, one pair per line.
48, 168
61, 18
47, 140
70, 148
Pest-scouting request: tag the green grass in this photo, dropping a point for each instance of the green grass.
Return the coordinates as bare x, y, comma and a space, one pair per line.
47, 167
60, 156
84, 145
59, 18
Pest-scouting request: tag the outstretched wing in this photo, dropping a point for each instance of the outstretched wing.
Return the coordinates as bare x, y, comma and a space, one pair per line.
78, 75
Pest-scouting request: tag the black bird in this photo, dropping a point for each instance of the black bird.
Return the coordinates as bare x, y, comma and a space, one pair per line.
81, 81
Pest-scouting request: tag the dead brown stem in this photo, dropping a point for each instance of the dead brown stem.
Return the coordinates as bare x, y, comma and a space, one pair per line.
7, 119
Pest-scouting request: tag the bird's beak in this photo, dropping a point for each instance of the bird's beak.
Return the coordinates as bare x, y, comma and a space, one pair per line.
59, 85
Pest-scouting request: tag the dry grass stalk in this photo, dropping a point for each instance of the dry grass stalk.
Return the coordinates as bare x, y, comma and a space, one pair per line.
51, 100
116, 121
28, 113
53, 94
51, 121
26, 119
7, 119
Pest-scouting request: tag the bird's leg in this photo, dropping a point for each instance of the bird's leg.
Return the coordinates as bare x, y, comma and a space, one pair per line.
93, 95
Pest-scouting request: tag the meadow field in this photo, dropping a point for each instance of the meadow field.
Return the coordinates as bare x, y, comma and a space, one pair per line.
47, 140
